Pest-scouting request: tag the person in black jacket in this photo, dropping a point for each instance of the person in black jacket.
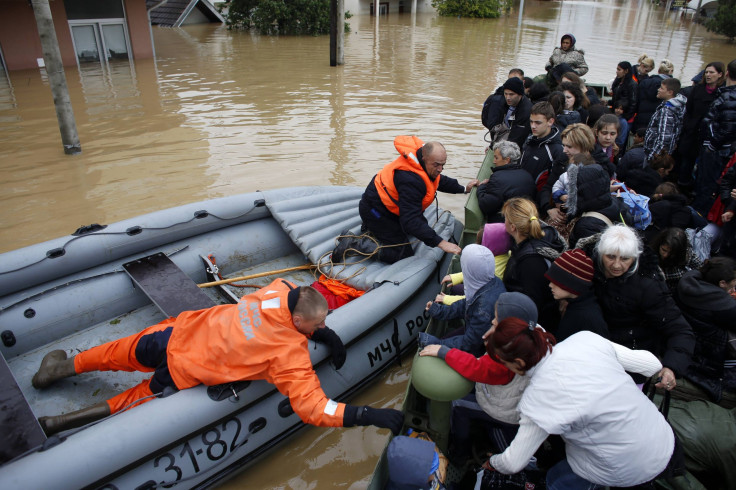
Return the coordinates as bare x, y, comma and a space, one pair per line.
636, 303
718, 144
703, 296
698, 103
634, 156
645, 180
544, 147
624, 87
535, 245
727, 189
508, 180
509, 105
571, 280
669, 209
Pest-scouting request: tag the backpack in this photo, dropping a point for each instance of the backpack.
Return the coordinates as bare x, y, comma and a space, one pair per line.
638, 207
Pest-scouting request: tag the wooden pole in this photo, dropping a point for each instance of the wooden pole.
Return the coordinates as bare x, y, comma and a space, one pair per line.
253, 276
340, 32
57, 79
333, 33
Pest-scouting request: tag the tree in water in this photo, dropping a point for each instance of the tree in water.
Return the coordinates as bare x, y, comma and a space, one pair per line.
282, 16
488, 9
724, 22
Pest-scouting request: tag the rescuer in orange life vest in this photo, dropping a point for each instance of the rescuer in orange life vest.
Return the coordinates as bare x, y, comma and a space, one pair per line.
393, 204
263, 336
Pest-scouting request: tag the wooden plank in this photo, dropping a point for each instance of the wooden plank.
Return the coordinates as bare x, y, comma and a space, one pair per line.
168, 287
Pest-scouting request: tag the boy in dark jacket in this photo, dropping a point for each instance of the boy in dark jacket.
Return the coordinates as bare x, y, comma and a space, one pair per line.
544, 147
571, 281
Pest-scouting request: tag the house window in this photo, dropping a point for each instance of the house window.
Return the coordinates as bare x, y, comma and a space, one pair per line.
98, 30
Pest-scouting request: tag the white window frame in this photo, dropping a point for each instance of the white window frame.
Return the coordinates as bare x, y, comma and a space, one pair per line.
97, 26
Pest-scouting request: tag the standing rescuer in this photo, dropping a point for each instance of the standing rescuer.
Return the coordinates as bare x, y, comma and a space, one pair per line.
393, 204
263, 336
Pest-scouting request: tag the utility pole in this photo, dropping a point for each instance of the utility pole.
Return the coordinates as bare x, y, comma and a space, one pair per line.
57, 79
337, 32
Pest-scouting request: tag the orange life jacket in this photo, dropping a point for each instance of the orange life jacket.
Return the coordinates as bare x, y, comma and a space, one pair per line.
407, 147
253, 339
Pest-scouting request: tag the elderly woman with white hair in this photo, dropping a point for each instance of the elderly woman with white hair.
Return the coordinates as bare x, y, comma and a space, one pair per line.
508, 180
637, 305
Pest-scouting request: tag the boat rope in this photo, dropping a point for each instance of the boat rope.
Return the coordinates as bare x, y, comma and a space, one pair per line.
133, 230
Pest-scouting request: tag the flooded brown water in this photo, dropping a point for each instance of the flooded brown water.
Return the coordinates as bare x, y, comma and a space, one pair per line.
219, 113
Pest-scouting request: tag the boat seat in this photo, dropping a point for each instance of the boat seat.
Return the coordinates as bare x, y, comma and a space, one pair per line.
19, 429
168, 287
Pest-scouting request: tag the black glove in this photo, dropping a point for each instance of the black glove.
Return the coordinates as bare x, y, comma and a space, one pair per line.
386, 418
328, 337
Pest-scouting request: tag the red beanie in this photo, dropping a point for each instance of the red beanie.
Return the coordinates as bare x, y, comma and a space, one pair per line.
572, 271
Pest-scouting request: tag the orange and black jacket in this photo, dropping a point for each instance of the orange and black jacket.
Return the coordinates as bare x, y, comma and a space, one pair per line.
253, 339
402, 190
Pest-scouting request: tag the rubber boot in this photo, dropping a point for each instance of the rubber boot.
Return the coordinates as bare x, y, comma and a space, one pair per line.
54, 366
72, 420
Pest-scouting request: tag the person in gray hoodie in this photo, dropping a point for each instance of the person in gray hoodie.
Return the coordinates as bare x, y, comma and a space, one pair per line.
666, 123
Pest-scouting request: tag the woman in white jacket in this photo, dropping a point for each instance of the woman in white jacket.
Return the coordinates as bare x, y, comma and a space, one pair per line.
580, 390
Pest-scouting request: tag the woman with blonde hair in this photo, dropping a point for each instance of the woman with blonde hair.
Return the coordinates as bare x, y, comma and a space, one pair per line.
643, 66
535, 245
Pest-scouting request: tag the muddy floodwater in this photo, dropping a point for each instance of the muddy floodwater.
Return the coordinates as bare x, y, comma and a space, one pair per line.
218, 113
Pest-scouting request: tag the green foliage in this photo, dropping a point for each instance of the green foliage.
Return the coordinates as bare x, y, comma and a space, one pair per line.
724, 22
282, 16
484, 9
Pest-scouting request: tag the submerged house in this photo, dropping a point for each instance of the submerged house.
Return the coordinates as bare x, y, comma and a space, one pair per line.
93, 30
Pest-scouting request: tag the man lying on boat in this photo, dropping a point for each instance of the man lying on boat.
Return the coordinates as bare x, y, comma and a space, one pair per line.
393, 204
263, 336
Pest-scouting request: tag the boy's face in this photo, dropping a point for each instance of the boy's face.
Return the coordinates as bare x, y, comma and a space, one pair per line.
663, 93
619, 111
541, 126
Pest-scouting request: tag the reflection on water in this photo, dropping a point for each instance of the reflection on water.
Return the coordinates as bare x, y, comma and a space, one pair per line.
219, 113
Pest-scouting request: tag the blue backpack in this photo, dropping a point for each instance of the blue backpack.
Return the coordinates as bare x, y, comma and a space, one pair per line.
638, 207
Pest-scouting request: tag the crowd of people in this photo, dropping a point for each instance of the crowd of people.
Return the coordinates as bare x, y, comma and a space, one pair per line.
619, 272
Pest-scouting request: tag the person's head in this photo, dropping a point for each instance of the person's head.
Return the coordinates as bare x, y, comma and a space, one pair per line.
666, 67
516, 72
541, 119
731, 73
513, 91
521, 219
557, 100
567, 42
595, 112
618, 251
721, 272
671, 246
639, 135
494, 237
577, 138
571, 76
570, 275
478, 265
574, 97
519, 345
646, 64
668, 88
538, 91
505, 152
310, 311
623, 70
663, 164
528, 82
665, 189
513, 304
606, 129
619, 107
435, 158
714, 74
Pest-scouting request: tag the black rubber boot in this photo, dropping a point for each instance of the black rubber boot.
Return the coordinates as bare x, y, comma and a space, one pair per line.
54, 366
72, 420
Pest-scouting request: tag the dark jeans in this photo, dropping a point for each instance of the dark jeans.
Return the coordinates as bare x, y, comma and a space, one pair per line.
387, 231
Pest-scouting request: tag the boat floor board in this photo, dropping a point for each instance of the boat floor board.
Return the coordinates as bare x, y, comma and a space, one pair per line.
167, 285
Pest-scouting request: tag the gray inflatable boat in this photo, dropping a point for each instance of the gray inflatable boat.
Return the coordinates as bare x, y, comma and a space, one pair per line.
105, 282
